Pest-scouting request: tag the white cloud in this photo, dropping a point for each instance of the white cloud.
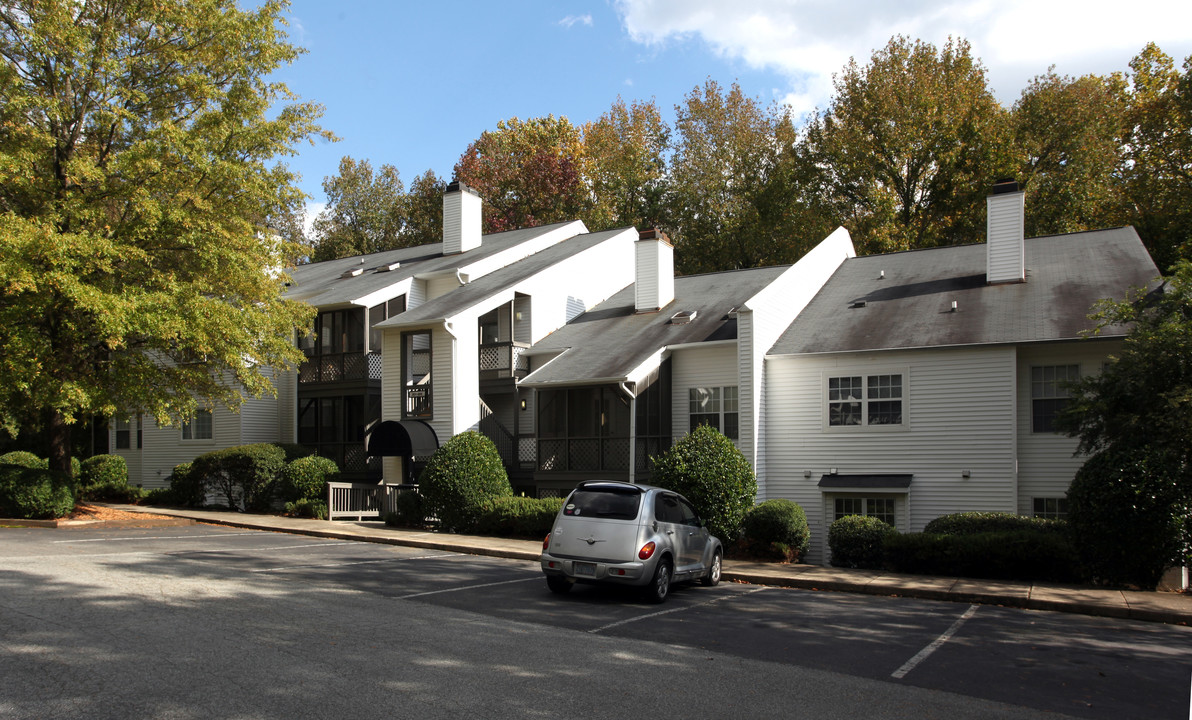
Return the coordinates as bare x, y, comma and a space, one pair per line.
573, 19
312, 211
808, 40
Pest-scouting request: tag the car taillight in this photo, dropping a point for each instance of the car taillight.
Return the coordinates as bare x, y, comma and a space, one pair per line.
546, 543
646, 551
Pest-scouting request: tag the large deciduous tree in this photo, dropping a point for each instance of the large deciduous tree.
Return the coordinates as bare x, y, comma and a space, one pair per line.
627, 148
424, 210
1068, 139
138, 181
365, 212
910, 145
529, 173
733, 195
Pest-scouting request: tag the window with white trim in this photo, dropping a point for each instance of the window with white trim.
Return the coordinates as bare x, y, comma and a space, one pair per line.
1049, 394
198, 428
715, 406
123, 433
866, 400
881, 508
1053, 508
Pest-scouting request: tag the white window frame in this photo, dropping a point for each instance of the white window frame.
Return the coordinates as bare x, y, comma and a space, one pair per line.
865, 374
867, 507
190, 427
1057, 511
720, 395
1057, 393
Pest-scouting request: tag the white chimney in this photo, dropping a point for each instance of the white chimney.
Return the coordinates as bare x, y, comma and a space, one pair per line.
1004, 251
461, 219
654, 276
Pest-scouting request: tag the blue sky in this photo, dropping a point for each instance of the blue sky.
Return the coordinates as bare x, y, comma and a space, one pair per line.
413, 83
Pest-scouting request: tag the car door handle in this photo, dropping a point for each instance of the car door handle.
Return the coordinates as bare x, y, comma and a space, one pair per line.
670, 532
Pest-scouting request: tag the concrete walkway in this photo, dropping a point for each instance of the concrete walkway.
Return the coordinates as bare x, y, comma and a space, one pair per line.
1164, 607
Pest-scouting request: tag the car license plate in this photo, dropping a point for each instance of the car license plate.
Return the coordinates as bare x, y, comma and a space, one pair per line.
585, 569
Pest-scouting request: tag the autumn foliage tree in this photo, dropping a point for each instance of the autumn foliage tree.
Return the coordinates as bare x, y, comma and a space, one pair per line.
138, 182
366, 211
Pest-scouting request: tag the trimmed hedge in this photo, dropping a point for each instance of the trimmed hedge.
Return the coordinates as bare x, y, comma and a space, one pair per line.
777, 529
186, 486
408, 511
23, 459
246, 475
294, 451
523, 517
706, 468
306, 478
461, 475
34, 493
105, 477
1004, 555
859, 541
972, 523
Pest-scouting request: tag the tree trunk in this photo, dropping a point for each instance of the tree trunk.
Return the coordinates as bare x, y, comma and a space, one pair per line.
59, 442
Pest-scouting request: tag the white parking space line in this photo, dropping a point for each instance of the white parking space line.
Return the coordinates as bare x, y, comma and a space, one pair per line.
537, 577
345, 564
155, 537
231, 551
935, 645
602, 628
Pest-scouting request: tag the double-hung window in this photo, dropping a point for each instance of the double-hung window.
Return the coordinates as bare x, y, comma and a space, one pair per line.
866, 400
715, 406
1049, 394
199, 428
882, 508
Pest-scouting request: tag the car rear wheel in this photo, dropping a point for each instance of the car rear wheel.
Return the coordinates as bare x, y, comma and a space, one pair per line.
558, 585
659, 586
712, 578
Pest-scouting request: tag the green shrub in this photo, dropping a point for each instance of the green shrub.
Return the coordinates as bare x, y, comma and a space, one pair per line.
307, 507
460, 476
159, 496
1005, 555
858, 541
24, 459
306, 478
186, 487
971, 523
104, 477
34, 493
777, 529
294, 451
523, 517
408, 512
246, 475
712, 473
1130, 518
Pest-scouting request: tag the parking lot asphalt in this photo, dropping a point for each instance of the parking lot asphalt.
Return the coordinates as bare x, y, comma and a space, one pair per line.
1164, 607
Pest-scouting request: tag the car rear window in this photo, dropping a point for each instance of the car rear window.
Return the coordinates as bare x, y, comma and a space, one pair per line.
604, 503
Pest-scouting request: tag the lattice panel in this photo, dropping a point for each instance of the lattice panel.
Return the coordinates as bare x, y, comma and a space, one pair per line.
527, 449
374, 366
354, 458
520, 361
584, 454
330, 369
308, 371
355, 366
616, 454
552, 454
550, 492
492, 358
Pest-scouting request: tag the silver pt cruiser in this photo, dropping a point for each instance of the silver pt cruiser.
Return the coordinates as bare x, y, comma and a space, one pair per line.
627, 534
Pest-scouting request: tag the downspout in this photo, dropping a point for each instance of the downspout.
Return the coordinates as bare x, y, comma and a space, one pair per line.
632, 430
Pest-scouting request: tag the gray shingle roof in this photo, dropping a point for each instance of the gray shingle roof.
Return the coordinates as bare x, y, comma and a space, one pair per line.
465, 296
320, 284
911, 306
606, 343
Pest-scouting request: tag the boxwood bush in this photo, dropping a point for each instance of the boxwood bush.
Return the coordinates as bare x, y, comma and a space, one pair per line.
408, 512
105, 477
777, 529
523, 517
971, 523
246, 475
1005, 555
306, 478
711, 472
34, 493
459, 477
307, 507
858, 541
24, 459
186, 487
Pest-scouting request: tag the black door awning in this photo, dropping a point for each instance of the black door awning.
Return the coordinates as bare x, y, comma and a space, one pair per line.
402, 438
873, 483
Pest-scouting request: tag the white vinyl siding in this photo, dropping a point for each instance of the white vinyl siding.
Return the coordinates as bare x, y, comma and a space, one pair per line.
699, 368
959, 406
1046, 464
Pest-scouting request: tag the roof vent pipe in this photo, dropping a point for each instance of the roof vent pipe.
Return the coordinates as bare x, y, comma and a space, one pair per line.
1004, 249
461, 219
654, 277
